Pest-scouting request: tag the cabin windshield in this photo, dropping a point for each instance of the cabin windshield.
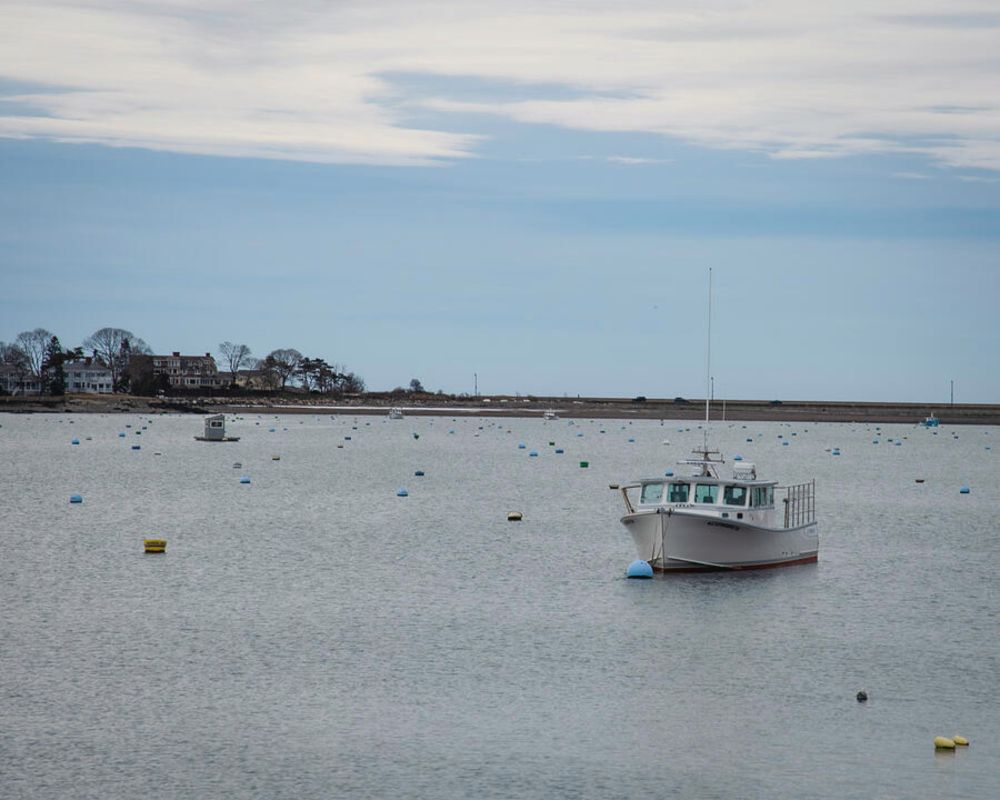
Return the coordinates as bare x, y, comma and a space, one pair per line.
706, 492
678, 492
651, 493
762, 496
735, 496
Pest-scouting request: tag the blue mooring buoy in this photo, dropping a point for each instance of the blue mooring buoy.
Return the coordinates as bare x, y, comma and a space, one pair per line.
76, 498
245, 479
639, 569
419, 473
964, 490
401, 492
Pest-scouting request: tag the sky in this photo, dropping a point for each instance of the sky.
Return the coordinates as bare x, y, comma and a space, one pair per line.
531, 193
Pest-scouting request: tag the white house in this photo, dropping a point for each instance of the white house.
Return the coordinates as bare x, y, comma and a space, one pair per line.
86, 376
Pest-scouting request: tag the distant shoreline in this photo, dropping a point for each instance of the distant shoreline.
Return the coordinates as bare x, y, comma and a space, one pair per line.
570, 408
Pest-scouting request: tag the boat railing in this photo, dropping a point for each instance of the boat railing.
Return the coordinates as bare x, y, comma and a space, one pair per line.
800, 504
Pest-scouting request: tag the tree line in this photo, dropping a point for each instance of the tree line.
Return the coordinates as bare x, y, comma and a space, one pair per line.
39, 356
286, 367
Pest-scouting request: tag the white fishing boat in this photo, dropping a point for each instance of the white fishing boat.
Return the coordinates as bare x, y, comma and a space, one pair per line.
550, 414
931, 422
705, 522
395, 413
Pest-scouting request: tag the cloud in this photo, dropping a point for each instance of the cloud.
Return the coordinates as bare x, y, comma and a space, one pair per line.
314, 81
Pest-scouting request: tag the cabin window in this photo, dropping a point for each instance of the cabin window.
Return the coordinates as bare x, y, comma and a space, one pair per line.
678, 492
706, 492
735, 496
763, 496
651, 493
216, 423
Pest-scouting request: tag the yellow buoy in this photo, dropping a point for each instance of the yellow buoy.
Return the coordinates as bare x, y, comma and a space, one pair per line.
155, 545
514, 516
944, 743
961, 741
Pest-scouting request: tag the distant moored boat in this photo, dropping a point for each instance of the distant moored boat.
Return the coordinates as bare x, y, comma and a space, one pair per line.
215, 430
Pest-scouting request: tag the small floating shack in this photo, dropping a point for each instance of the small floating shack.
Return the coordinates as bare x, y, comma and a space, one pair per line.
215, 430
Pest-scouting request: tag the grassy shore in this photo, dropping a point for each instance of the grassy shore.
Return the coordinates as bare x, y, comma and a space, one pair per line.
589, 407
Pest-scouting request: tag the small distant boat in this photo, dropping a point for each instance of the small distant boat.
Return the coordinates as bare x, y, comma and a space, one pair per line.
395, 413
550, 414
215, 430
931, 422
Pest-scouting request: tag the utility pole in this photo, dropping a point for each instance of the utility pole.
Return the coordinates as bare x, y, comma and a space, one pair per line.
475, 378
953, 392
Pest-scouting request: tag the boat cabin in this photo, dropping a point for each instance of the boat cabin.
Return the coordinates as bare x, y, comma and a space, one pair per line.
702, 491
215, 427
741, 496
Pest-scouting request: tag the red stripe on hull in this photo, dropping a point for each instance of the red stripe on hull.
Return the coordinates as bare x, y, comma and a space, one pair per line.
738, 567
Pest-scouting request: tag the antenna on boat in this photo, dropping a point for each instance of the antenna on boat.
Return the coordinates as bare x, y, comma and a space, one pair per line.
708, 361
706, 463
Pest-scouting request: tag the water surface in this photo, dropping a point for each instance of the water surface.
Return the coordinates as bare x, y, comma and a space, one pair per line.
313, 635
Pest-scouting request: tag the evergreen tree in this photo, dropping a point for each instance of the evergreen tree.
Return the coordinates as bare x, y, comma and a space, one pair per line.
124, 355
52, 371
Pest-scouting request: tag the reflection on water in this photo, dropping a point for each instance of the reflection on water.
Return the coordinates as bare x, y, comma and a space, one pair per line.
311, 634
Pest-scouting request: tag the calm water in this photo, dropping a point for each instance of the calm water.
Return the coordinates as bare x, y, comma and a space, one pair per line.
311, 635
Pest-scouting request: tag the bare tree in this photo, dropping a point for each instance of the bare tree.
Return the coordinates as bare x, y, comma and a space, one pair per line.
236, 356
113, 347
12, 356
33, 344
283, 363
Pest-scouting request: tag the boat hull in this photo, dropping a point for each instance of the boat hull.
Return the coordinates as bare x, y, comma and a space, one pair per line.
678, 541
